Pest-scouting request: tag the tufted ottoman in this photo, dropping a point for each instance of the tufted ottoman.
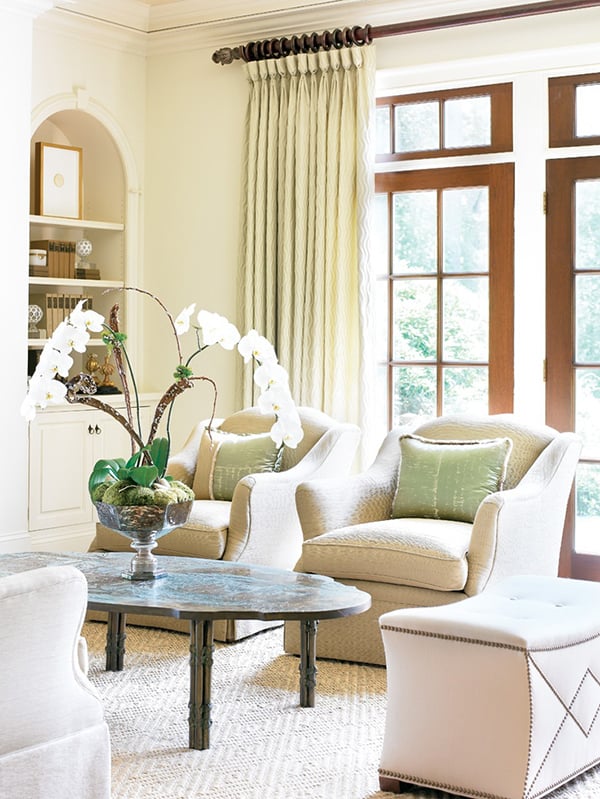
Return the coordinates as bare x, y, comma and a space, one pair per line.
496, 696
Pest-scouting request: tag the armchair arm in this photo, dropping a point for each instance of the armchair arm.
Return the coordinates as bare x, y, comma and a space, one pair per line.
520, 530
264, 526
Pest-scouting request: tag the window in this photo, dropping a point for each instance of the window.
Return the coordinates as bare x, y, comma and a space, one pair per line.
574, 104
444, 277
452, 122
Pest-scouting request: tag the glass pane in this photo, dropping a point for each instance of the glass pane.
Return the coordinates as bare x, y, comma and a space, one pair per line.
587, 110
587, 493
465, 319
414, 391
415, 231
417, 127
466, 229
415, 320
587, 409
381, 320
382, 129
379, 235
468, 122
465, 390
587, 318
587, 224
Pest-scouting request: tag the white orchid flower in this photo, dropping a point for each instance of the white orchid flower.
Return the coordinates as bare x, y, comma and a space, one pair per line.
217, 329
28, 408
54, 362
253, 345
270, 374
43, 392
182, 322
287, 432
88, 319
277, 400
67, 337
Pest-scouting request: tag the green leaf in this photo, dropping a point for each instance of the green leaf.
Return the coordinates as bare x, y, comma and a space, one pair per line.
159, 452
104, 469
143, 475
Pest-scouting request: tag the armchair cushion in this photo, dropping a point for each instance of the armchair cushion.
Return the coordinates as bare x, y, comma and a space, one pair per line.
224, 458
448, 479
427, 553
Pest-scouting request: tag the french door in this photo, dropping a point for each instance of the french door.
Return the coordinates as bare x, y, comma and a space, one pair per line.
573, 344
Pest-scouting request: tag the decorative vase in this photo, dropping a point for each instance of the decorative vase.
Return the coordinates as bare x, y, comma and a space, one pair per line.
143, 525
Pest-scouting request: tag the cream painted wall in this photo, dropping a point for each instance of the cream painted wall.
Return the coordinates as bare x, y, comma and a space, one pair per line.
195, 121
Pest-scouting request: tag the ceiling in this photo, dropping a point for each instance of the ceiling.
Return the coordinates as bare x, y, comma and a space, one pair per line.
232, 21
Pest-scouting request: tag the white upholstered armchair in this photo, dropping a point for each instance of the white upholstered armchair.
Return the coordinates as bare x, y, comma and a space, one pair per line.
54, 741
258, 523
363, 531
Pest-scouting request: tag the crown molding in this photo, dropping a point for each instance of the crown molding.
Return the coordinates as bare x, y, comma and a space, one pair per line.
187, 24
29, 8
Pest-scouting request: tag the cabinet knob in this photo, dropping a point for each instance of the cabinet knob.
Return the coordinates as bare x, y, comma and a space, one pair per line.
90, 430
97, 430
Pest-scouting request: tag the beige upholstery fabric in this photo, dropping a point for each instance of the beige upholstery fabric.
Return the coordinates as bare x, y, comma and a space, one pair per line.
54, 742
348, 530
260, 525
427, 553
529, 645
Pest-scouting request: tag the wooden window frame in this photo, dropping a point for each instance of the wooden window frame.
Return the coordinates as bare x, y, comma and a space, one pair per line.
561, 107
500, 180
500, 95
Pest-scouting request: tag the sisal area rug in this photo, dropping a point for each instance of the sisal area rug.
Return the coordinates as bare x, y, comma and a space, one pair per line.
263, 745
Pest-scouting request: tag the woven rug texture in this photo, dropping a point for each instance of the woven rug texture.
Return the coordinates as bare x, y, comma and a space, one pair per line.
263, 745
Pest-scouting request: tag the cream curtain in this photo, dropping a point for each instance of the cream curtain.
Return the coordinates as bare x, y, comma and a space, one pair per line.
304, 276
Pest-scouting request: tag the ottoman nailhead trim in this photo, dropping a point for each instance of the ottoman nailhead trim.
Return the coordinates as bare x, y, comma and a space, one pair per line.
442, 786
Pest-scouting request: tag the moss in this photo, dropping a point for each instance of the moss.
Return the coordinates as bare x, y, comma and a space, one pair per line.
125, 492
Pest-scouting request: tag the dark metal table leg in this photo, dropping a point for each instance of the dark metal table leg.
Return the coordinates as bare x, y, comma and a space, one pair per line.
308, 662
201, 658
115, 641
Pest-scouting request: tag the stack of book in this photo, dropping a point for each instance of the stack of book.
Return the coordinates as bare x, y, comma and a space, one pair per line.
86, 271
59, 306
60, 259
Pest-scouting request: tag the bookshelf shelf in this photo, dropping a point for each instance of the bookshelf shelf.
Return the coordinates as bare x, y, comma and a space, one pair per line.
68, 282
75, 224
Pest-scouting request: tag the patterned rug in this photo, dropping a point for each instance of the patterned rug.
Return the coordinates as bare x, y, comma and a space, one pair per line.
263, 745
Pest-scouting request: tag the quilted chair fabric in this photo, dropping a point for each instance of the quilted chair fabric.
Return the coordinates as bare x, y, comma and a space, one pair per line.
54, 741
411, 562
260, 525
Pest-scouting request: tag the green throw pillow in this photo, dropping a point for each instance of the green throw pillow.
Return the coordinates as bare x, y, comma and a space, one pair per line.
224, 458
448, 479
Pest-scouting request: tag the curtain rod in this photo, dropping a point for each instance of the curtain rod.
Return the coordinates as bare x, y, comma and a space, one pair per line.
359, 36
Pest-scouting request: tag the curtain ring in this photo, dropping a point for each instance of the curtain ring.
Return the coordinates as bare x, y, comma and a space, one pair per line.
314, 42
286, 46
357, 36
338, 39
327, 40
296, 45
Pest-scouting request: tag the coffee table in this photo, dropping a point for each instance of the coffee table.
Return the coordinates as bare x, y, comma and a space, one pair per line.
202, 591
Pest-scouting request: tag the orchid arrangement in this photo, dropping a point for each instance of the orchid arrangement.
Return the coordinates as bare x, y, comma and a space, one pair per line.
146, 467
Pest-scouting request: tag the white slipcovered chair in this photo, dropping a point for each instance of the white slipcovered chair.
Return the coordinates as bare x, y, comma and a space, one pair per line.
417, 560
54, 741
259, 525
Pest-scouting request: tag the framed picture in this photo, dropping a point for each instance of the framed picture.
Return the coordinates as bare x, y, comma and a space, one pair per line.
59, 177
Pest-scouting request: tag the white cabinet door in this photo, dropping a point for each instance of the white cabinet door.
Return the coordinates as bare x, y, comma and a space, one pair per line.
63, 448
61, 451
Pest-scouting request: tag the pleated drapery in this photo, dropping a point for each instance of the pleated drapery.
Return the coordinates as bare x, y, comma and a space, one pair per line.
304, 271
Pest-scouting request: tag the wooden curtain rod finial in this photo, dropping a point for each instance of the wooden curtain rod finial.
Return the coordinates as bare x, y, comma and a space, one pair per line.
226, 55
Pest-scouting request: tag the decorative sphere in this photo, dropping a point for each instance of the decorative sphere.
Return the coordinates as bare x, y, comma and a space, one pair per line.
83, 248
34, 314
